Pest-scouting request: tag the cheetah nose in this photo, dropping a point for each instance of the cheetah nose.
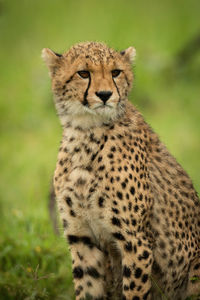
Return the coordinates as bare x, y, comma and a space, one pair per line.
104, 95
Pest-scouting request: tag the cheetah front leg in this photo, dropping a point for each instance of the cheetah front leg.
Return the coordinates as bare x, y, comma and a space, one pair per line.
136, 267
87, 267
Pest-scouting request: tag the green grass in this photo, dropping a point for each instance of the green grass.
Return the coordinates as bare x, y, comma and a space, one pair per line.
34, 264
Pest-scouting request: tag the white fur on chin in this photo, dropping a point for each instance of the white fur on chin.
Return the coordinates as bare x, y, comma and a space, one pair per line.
79, 115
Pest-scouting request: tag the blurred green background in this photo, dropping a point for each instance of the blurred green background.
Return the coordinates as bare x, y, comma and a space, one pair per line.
34, 263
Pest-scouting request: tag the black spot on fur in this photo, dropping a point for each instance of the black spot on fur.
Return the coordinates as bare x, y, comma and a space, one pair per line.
118, 236
101, 201
133, 222
145, 254
119, 195
72, 213
72, 239
138, 273
144, 278
86, 241
91, 271
68, 201
78, 272
116, 221
132, 285
101, 168
126, 271
132, 190
197, 266
128, 246
115, 210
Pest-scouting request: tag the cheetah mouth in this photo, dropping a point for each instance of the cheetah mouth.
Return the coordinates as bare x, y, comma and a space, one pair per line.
103, 106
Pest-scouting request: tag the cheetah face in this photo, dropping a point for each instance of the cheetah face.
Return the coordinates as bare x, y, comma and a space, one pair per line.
90, 81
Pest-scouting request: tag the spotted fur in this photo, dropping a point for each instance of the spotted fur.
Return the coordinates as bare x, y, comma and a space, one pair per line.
129, 211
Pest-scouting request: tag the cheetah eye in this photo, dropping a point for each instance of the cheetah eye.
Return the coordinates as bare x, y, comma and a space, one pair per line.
84, 74
115, 73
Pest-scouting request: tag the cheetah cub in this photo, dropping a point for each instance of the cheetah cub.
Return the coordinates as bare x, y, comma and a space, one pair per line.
129, 211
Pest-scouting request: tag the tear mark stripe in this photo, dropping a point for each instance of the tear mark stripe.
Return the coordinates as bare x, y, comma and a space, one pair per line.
117, 89
128, 84
85, 101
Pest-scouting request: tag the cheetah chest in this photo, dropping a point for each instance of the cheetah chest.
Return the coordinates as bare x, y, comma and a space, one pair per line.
80, 189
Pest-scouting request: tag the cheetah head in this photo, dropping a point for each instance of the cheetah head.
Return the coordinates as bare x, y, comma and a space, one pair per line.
90, 82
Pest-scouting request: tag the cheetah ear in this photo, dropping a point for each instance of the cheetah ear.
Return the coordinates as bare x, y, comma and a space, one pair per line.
51, 59
129, 54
